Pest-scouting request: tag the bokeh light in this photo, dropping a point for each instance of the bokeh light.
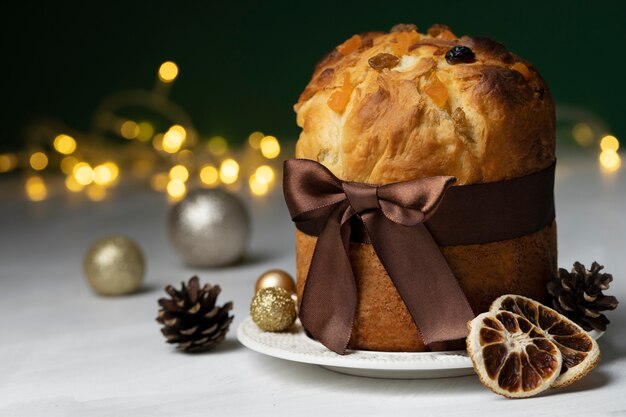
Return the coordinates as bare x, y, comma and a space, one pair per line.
73, 185
265, 173
129, 130
145, 131
179, 172
176, 189
67, 164
83, 173
257, 185
229, 171
38, 161
610, 161
609, 143
583, 134
64, 144
105, 174
8, 162
209, 175
217, 145
270, 148
173, 139
36, 189
168, 71
254, 140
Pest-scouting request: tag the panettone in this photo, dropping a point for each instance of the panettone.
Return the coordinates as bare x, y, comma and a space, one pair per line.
389, 107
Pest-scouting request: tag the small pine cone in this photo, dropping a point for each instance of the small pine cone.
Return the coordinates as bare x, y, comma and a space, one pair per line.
192, 319
578, 295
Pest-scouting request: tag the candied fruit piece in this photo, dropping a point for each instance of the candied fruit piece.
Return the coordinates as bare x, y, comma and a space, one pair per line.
381, 61
436, 90
403, 41
522, 69
340, 98
351, 45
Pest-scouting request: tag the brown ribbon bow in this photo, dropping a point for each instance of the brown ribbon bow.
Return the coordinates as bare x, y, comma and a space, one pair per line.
393, 216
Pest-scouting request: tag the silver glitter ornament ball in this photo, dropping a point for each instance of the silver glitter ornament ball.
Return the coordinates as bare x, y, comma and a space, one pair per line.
114, 265
209, 228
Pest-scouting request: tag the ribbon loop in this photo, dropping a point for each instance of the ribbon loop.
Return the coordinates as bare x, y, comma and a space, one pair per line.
362, 197
392, 215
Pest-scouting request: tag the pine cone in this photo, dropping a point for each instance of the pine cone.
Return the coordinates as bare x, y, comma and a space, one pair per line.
578, 295
192, 319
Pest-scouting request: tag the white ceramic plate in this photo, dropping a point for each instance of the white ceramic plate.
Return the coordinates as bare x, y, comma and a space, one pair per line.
294, 345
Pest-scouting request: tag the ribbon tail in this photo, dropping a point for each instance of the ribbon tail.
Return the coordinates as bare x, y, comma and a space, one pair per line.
422, 276
329, 298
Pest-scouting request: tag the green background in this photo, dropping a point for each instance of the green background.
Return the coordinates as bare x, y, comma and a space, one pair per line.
243, 64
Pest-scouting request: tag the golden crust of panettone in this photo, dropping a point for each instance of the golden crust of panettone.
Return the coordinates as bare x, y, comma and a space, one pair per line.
498, 122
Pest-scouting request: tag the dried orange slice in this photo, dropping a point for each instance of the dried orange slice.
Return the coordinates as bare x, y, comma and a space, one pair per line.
579, 350
510, 356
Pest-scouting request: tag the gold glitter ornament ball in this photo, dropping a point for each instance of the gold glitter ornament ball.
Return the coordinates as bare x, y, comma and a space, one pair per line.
114, 265
273, 310
276, 278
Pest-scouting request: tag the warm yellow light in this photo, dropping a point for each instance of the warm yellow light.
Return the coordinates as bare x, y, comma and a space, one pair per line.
36, 188
96, 192
67, 164
254, 140
209, 175
264, 173
105, 174
257, 186
168, 71
38, 161
610, 160
229, 171
172, 141
583, 134
145, 131
64, 144
157, 141
179, 129
113, 169
72, 184
609, 143
179, 172
159, 181
8, 161
270, 148
129, 129
217, 145
176, 189
83, 173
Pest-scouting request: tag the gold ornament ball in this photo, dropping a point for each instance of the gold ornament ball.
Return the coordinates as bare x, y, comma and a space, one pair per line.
273, 309
114, 265
276, 278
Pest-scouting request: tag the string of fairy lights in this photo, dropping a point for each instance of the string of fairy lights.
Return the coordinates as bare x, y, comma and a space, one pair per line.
176, 158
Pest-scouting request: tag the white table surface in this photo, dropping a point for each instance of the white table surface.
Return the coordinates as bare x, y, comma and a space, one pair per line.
68, 352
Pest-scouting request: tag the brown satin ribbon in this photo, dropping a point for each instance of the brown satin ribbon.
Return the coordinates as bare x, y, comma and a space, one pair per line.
405, 222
